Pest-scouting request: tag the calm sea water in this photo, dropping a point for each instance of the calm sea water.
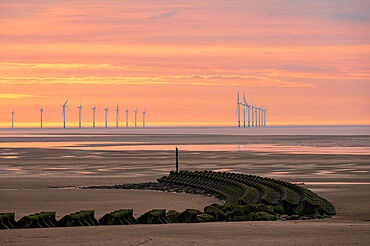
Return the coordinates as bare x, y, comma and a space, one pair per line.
269, 130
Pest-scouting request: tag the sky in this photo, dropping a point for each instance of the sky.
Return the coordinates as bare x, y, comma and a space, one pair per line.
184, 62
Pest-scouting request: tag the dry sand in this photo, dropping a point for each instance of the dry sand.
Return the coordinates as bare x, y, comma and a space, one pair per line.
25, 188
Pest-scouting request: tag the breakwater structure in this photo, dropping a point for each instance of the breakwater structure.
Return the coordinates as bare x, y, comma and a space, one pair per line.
243, 197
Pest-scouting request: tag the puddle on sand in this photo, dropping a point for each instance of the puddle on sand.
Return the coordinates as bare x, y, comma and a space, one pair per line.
344, 169
231, 147
223, 170
163, 169
337, 183
323, 172
277, 173
136, 146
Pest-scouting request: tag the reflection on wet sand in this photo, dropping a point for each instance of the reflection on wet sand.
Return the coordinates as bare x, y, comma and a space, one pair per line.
139, 146
125, 156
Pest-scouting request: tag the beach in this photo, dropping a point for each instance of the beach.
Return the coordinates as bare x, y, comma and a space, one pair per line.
45, 173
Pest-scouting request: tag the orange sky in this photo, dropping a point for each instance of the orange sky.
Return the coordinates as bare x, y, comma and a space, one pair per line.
308, 61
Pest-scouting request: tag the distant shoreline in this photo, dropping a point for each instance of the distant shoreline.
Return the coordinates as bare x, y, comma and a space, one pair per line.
183, 127
212, 130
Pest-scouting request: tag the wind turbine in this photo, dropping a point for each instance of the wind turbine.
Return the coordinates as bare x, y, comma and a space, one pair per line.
238, 109
264, 117
64, 113
256, 115
93, 115
117, 115
244, 105
252, 113
135, 115
106, 117
259, 118
12, 118
79, 115
41, 112
144, 118
126, 117
248, 108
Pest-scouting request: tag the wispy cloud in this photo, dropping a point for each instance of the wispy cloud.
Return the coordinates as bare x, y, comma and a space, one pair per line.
164, 14
15, 96
60, 66
205, 80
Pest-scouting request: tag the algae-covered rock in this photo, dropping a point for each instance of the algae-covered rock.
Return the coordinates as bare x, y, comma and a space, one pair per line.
263, 216
217, 206
205, 218
90, 217
155, 216
247, 209
248, 217
229, 207
31, 221
189, 216
119, 217
265, 208
172, 216
292, 217
216, 212
71, 220
7, 221
279, 210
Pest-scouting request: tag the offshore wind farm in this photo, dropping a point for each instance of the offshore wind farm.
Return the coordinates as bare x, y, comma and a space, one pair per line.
256, 116
80, 121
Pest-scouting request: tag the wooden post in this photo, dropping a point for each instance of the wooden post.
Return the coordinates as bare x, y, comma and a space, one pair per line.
177, 160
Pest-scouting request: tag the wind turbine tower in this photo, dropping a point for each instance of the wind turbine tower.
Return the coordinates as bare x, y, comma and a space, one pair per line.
264, 117
248, 109
259, 118
93, 116
256, 115
252, 114
41, 112
126, 117
106, 117
244, 105
238, 109
64, 113
117, 115
79, 116
12, 118
135, 115
144, 118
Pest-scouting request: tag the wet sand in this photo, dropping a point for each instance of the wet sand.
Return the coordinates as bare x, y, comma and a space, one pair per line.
27, 185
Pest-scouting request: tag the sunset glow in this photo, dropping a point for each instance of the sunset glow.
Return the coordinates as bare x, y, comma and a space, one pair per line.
184, 63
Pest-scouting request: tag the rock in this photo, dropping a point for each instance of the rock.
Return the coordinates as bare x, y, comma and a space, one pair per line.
263, 216
293, 217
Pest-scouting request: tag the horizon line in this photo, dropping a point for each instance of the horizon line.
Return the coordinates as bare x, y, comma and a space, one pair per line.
184, 126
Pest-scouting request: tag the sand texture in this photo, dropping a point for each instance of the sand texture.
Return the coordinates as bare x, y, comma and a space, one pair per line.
28, 184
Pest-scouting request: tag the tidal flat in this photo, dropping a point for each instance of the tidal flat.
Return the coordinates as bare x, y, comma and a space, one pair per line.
43, 176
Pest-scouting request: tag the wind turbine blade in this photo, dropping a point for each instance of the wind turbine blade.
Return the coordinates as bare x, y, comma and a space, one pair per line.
244, 99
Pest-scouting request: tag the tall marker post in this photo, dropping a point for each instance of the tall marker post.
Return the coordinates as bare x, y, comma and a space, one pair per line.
177, 160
